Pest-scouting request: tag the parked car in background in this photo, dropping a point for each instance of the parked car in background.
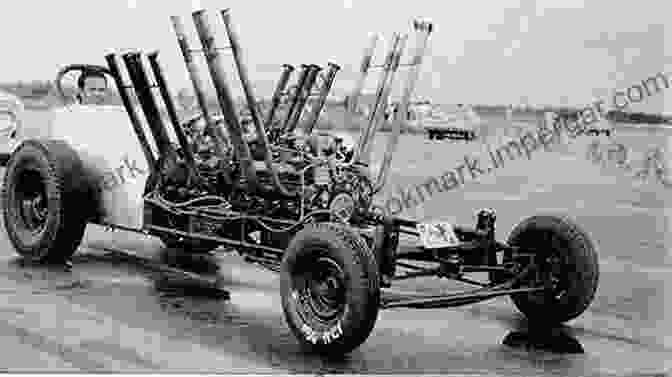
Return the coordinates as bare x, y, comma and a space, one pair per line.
453, 122
11, 114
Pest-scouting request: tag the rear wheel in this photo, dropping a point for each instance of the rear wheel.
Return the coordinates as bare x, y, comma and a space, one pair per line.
330, 288
44, 201
571, 260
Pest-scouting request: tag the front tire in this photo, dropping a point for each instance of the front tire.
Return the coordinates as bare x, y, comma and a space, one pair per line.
573, 263
330, 288
44, 199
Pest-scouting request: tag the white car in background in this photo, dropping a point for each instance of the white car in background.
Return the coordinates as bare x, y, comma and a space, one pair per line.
454, 122
11, 115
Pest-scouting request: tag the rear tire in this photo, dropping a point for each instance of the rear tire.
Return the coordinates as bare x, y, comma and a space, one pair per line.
44, 199
574, 268
330, 289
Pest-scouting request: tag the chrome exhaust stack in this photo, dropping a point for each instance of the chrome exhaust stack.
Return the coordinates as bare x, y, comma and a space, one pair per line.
277, 95
293, 99
363, 149
327, 83
143, 90
422, 29
262, 137
353, 100
227, 105
167, 97
211, 127
123, 87
302, 98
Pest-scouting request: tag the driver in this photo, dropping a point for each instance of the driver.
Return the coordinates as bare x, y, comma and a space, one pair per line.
92, 87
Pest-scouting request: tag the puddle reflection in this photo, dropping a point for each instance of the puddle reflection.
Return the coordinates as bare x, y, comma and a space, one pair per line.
45, 277
549, 339
199, 263
171, 286
55, 268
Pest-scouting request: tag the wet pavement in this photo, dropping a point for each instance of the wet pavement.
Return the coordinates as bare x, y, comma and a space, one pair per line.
110, 314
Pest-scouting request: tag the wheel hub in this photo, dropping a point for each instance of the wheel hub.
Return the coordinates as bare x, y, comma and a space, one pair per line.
326, 289
555, 276
31, 202
329, 288
34, 212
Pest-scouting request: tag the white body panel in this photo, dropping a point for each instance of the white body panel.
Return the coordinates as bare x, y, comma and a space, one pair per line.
106, 142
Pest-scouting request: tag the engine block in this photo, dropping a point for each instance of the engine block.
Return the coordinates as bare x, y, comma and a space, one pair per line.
334, 186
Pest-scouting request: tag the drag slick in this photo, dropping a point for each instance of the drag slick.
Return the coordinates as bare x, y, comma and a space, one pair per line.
281, 195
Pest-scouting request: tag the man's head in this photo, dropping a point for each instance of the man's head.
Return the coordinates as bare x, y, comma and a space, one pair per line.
92, 88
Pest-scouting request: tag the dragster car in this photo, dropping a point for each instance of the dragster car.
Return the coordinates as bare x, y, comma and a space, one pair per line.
286, 198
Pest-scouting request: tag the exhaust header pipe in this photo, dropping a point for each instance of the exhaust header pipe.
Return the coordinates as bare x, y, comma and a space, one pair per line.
262, 137
143, 90
294, 96
303, 95
378, 115
194, 75
327, 83
218, 76
353, 100
172, 112
123, 88
277, 95
422, 31
362, 152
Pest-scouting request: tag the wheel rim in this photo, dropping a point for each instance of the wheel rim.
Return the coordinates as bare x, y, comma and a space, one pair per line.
31, 201
324, 289
558, 279
555, 264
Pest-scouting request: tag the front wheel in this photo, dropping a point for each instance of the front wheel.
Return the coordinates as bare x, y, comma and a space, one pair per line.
569, 256
45, 198
330, 288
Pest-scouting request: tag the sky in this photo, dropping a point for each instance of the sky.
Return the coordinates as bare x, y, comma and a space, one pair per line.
490, 52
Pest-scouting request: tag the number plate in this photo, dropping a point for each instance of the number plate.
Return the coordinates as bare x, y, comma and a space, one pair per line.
438, 234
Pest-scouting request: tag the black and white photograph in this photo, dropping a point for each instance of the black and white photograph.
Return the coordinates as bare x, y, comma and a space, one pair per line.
342, 187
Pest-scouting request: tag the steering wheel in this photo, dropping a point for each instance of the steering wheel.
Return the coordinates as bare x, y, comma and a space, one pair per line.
76, 67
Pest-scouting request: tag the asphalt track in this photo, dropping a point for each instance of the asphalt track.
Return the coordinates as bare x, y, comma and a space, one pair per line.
107, 314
